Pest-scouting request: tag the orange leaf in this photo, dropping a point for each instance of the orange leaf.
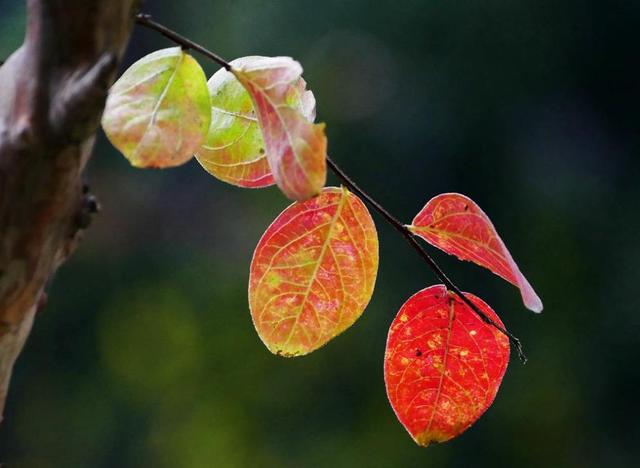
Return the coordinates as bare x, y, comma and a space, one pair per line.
443, 365
456, 224
296, 148
313, 272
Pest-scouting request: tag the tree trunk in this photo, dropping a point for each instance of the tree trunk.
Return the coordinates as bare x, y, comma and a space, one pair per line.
52, 95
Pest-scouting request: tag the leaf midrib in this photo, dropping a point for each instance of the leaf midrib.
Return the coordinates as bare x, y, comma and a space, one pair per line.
312, 277
444, 366
156, 107
477, 260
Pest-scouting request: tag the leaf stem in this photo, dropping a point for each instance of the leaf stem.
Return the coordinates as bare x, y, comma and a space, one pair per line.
146, 21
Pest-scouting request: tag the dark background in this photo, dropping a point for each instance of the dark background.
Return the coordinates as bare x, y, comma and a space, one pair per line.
146, 356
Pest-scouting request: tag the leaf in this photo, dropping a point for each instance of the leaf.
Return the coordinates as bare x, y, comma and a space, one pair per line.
313, 272
455, 224
296, 148
158, 113
443, 365
234, 150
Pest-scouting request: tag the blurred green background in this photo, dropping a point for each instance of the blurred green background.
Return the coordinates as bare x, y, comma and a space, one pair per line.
146, 355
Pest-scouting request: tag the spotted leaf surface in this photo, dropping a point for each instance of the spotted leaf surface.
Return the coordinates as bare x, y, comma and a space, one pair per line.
443, 365
234, 150
296, 148
313, 272
158, 113
457, 225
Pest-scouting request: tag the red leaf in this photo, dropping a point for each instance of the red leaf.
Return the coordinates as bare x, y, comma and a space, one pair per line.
313, 272
443, 365
456, 224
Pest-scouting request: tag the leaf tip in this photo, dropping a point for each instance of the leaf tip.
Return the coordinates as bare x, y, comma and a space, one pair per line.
534, 304
427, 438
529, 297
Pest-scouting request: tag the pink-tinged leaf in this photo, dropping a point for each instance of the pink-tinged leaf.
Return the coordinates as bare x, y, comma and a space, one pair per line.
296, 148
456, 224
443, 364
234, 150
158, 113
313, 272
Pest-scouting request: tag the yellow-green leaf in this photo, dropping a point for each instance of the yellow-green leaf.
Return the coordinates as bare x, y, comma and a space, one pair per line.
158, 113
234, 149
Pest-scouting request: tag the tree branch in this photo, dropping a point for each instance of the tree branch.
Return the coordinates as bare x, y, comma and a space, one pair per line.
53, 94
146, 21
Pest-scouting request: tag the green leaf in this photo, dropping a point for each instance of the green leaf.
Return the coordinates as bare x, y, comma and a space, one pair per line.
158, 113
234, 150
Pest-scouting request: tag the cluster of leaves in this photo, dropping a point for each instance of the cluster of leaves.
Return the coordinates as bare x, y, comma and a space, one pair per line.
314, 270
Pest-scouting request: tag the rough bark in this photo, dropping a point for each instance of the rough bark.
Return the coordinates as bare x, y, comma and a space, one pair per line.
52, 94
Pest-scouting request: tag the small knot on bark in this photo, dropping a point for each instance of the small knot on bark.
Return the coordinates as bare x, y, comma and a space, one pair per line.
90, 207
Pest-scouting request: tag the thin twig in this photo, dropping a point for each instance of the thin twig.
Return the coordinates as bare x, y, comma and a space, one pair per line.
145, 20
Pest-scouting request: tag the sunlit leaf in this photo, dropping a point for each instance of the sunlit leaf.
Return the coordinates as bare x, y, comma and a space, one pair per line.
455, 224
313, 272
296, 148
235, 150
443, 365
158, 113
